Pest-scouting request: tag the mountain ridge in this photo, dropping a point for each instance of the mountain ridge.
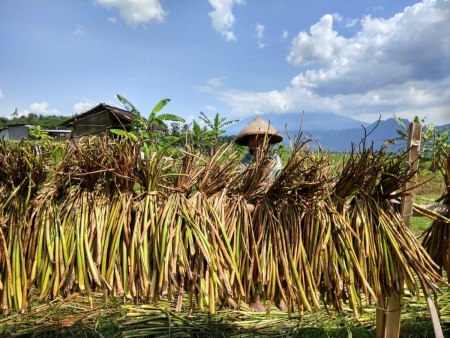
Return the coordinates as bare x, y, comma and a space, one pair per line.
297, 121
333, 132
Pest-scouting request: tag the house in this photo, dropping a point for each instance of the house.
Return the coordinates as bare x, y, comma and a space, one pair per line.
99, 120
20, 132
15, 131
58, 134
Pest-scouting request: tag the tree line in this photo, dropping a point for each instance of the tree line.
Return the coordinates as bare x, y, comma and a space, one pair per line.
45, 121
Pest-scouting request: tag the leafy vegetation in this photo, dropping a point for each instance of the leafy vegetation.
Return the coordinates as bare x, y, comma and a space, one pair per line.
215, 128
435, 144
37, 134
150, 132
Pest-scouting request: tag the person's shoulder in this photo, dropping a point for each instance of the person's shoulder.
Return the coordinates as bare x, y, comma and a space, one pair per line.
247, 158
276, 157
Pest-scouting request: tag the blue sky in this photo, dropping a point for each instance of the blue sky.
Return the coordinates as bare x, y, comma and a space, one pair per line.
358, 58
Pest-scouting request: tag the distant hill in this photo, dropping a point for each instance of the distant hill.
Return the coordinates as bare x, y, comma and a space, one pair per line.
295, 121
376, 133
333, 132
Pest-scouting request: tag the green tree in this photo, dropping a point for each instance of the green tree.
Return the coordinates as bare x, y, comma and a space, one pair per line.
175, 129
216, 126
45, 121
3, 121
200, 138
51, 121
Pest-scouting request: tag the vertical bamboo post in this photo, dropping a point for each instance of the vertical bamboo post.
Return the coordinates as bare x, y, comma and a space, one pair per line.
413, 160
381, 320
388, 320
394, 307
392, 320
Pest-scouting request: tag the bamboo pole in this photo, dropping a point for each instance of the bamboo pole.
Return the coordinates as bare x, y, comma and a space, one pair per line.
388, 320
392, 328
392, 316
391, 319
421, 210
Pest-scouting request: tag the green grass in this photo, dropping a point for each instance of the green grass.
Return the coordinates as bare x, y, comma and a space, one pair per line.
75, 318
419, 225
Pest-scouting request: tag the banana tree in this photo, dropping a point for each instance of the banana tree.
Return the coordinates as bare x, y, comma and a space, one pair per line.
153, 129
216, 127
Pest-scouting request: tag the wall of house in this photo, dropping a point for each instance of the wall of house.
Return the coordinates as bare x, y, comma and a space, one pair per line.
95, 124
4, 133
15, 133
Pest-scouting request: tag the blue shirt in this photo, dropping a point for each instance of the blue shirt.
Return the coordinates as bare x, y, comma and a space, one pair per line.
276, 166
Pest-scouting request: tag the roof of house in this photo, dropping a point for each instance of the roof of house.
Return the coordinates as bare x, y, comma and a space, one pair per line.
62, 131
19, 124
29, 126
119, 113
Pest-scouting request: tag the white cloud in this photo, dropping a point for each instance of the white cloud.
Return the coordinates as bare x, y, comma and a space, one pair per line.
80, 31
1, 94
409, 46
376, 8
39, 108
210, 108
285, 34
222, 17
215, 82
321, 45
337, 17
259, 30
112, 19
83, 106
135, 12
391, 65
350, 22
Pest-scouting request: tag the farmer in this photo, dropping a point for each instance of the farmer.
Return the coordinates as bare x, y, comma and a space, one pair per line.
254, 136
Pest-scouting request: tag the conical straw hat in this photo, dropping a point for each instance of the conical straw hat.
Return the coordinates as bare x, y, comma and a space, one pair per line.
258, 127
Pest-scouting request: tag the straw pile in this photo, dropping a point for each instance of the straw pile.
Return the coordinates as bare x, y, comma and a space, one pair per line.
105, 219
436, 239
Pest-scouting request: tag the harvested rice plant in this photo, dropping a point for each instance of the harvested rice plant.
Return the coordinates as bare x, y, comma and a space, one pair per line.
98, 219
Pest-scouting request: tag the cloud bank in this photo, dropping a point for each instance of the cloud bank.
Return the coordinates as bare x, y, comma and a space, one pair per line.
396, 65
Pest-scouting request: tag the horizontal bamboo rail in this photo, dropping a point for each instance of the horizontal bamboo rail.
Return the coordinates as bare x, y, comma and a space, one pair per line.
436, 208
